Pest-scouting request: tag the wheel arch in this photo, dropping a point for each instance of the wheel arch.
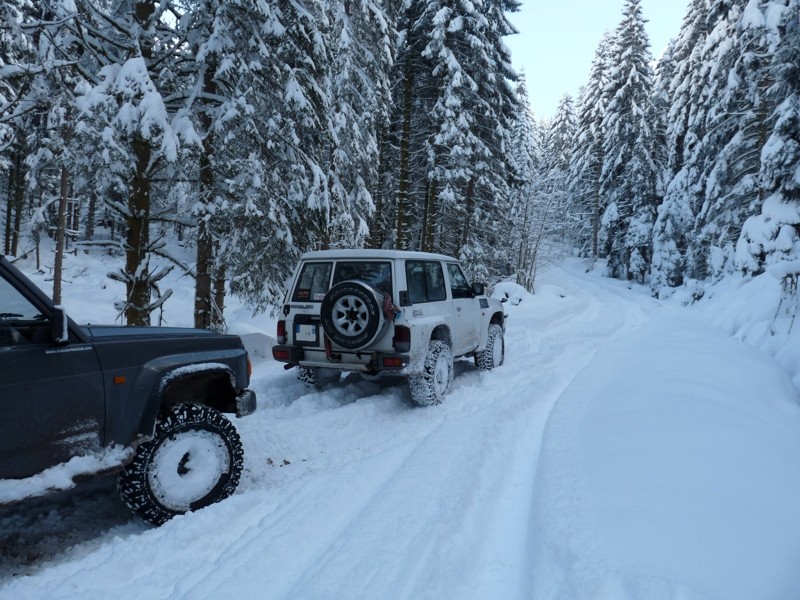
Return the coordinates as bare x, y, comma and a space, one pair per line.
210, 384
498, 318
442, 334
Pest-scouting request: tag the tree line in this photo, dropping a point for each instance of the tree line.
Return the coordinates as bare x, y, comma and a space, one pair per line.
254, 131
683, 171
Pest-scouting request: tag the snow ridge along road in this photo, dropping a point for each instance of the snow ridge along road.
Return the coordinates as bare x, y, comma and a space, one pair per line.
350, 493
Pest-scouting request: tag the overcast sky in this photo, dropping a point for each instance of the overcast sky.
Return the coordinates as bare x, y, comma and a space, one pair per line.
557, 41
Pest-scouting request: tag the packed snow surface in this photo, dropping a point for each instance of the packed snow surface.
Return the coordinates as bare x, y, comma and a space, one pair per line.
627, 448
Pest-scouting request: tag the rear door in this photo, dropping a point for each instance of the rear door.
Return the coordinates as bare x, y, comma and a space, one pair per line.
51, 395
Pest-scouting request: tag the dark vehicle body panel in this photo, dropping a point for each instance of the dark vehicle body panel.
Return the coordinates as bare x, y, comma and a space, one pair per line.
104, 385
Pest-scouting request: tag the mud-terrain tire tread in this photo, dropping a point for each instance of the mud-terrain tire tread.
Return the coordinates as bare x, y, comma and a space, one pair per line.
175, 421
366, 302
487, 360
315, 378
426, 389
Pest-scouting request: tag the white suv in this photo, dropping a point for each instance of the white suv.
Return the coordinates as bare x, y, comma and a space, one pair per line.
387, 312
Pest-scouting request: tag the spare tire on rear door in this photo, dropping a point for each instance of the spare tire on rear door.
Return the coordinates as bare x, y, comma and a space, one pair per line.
352, 314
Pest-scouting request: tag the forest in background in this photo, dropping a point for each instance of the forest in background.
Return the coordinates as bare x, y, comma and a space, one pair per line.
252, 131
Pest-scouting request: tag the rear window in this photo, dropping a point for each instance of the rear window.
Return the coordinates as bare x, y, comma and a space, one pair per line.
315, 277
376, 274
313, 282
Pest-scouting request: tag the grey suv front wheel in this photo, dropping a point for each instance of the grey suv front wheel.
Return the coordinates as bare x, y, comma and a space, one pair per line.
194, 459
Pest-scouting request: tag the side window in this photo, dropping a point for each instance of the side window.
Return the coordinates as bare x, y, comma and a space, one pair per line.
458, 283
425, 281
312, 283
20, 321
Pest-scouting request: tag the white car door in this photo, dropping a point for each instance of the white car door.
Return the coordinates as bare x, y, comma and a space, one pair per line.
466, 326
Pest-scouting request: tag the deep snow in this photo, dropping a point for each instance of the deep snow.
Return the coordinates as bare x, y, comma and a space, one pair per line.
628, 448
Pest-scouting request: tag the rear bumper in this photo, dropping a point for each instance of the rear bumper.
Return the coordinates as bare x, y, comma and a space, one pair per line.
245, 403
369, 362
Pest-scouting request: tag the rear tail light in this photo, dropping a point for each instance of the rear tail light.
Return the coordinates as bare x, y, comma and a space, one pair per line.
281, 332
280, 354
392, 362
402, 339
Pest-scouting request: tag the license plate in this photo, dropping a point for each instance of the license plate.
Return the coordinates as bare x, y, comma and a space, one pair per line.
305, 333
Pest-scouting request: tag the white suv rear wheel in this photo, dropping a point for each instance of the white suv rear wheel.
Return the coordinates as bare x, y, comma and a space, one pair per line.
434, 384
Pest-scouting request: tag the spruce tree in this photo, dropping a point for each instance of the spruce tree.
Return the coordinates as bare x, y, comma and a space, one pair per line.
587, 155
629, 173
772, 237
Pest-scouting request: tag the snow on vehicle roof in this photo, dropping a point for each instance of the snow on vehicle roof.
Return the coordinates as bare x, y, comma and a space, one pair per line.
362, 253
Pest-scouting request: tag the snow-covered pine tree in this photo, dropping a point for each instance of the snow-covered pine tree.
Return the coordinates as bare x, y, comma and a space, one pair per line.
253, 97
683, 88
362, 52
556, 211
127, 54
410, 129
773, 236
455, 150
483, 249
526, 154
16, 57
587, 155
473, 109
736, 130
280, 152
629, 173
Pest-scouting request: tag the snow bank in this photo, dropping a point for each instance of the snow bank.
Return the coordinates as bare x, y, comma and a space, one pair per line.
660, 480
61, 477
752, 310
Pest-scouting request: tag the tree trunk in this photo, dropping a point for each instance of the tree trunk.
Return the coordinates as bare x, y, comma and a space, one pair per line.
403, 199
430, 217
203, 300
91, 216
202, 284
137, 273
469, 210
58, 267
9, 213
377, 229
217, 318
16, 199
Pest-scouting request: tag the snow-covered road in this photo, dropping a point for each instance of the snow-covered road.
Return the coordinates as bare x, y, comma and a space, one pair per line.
570, 472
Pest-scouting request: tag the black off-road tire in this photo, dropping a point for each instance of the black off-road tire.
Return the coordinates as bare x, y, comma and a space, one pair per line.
194, 459
434, 384
495, 352
352, 314
317, 378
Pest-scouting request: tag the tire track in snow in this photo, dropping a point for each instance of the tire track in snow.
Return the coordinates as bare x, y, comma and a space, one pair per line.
490, 480
380, 500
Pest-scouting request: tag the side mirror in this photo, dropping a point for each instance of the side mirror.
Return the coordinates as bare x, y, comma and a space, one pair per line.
59, 331
478, 289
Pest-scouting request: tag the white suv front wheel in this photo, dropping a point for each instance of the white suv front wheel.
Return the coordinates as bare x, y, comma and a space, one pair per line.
494, 353
433, 385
